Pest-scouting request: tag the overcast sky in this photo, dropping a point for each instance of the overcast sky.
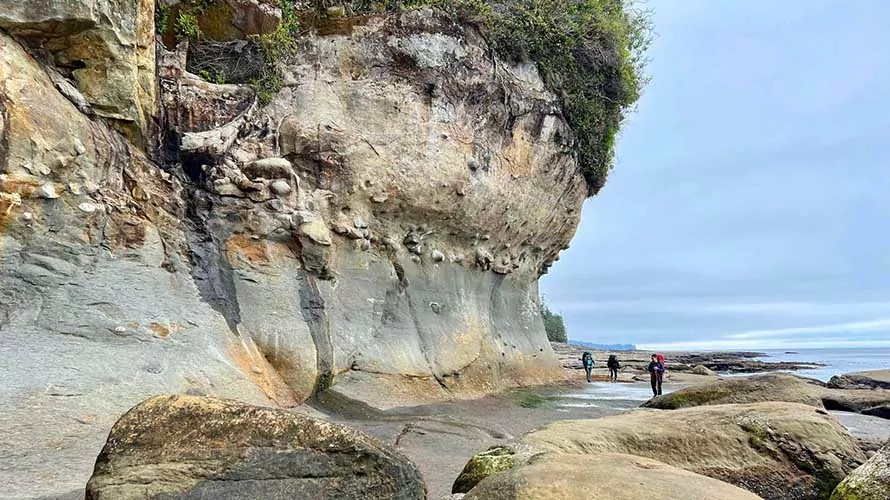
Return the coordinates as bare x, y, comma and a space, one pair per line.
750, 202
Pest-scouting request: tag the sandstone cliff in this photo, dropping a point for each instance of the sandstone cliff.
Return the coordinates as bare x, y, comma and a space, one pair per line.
376, 223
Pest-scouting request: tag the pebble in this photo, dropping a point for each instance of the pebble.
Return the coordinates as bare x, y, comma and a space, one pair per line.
438, 256
88, 207
281, 187
48, 191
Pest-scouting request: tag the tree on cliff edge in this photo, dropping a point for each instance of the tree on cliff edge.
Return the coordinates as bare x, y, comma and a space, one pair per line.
553, 324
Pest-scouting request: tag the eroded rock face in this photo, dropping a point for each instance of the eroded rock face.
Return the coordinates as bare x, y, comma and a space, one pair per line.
186, 447
106, 48
780, 451
604, 476
98, 309
396, 202
378, 228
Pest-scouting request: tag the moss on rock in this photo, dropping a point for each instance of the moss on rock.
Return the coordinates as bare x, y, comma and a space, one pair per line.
494, 460
871, 481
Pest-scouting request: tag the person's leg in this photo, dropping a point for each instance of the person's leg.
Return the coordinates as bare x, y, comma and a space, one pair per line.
660, 380
654, 381
587, 369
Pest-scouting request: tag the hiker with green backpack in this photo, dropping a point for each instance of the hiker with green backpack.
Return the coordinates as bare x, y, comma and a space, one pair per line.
587, 361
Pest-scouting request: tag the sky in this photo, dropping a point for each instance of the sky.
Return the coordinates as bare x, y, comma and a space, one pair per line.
749, 206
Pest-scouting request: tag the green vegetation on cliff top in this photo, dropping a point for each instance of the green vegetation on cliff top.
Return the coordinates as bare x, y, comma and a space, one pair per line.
591, 53
553, 324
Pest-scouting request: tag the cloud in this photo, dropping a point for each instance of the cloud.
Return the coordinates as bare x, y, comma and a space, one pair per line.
743, 204
877, 325
695, 306
851, 334
720, 345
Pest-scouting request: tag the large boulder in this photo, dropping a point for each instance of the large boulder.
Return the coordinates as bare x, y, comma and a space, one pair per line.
702, 370
875, 379
606, 476
187, 447
753, 389
870, 481
774, 387
780, 451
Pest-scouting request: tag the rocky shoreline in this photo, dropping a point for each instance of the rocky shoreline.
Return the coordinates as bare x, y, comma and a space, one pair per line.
438, 440
723, 362
769, 437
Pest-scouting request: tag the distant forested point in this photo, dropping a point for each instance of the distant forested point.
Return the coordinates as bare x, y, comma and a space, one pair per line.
604, 347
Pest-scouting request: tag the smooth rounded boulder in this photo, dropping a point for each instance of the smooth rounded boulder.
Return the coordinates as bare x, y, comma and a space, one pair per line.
780, 451
874, 379
775, 387
606, 476
753, 389
871, 481
189, 447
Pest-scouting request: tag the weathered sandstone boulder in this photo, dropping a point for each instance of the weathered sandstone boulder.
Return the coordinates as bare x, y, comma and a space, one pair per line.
602, 476
875, 379
780, 451
753, 389
187, 447
702, 370
774, 387
870, 481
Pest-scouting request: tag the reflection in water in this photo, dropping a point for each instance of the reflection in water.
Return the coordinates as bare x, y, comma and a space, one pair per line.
606, 395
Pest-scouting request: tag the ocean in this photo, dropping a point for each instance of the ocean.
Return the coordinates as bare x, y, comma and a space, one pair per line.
837, 361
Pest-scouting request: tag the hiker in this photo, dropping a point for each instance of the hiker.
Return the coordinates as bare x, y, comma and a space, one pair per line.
614, 366
587, 361
656, 373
